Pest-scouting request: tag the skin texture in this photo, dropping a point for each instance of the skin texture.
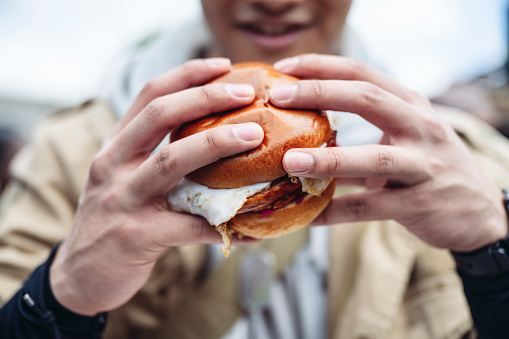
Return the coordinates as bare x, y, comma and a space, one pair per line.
322, 21
283, 130
421, 174
123, 207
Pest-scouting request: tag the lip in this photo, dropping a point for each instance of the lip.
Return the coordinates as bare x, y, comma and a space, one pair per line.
274, 41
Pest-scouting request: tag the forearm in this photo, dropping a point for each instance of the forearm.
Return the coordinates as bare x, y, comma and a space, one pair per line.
34, 312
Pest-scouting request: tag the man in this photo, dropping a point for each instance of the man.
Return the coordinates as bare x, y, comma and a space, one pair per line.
123, 253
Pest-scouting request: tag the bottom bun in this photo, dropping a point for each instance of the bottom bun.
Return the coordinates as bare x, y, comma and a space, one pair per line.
284, 220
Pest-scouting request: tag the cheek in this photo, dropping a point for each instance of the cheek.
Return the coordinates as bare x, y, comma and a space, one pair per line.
322, 38
333, 20
214, 14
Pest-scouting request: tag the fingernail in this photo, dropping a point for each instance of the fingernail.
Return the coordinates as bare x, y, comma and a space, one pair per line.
298, 162
219, 62
240, 90
283, 93
287, 64
248, 132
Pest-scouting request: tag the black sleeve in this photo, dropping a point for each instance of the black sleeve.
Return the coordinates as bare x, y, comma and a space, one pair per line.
488, 298
35, 313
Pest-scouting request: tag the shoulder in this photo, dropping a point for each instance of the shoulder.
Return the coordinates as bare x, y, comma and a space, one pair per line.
63, 146
95, 118
77, 131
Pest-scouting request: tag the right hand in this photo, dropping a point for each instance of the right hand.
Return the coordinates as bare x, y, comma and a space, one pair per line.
123, 225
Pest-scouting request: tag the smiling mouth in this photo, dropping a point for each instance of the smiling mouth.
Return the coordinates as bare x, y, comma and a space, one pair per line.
271, 30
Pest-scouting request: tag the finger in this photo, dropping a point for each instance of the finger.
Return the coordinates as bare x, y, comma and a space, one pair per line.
366, 182
182, 229
166, 167
314, 66
377, 204
366, 161
383, 109
192, 73
147, 130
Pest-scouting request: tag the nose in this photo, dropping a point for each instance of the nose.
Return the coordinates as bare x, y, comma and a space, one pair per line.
275, 6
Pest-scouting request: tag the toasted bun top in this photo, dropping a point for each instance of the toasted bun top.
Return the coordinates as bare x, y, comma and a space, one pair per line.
284, 129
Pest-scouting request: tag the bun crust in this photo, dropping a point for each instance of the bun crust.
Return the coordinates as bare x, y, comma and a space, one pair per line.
284, 129
284, 220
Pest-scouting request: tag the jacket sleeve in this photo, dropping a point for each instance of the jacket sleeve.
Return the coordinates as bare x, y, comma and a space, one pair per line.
37, 208
488, 298
34, 312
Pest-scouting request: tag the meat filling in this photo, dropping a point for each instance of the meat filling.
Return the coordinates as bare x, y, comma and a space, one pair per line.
281, 192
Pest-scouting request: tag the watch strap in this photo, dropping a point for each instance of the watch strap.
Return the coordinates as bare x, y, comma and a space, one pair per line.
490, 260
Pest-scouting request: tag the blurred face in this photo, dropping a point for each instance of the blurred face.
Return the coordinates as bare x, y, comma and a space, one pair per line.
268, 30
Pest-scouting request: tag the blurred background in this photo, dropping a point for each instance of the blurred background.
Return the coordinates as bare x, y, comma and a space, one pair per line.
59, 53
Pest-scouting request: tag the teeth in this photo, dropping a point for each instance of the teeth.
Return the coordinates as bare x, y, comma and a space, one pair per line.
271, 29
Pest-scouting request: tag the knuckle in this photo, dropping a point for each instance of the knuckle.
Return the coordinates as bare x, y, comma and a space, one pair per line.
127, 236
153, 110
311, 59
370, 94
212, 140
192, 65
198, 228
422, 199
327, 217
151, 89
99, 169
356, 207
321, 219
416, 96
205, 93
384, 162
356, 66
166, 161
318, 89
334, 163
112, 201
437, 131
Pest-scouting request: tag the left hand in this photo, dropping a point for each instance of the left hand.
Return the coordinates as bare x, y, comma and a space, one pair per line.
421, 174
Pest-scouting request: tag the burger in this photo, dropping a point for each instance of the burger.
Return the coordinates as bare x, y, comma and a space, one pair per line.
250, 193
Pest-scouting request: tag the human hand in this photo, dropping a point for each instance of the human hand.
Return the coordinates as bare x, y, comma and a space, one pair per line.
421, 174
123, 225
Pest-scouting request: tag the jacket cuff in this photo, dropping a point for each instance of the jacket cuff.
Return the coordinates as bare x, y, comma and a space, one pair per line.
488, 298
38, 299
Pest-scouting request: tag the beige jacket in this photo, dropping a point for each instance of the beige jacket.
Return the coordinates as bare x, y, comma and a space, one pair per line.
383, 281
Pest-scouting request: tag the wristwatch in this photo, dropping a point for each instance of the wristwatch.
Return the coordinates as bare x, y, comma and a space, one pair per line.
489, 261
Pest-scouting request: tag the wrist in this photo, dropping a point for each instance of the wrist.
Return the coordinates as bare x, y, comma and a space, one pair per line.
38, 305
65, 289
488, 261
494, 227
491, 259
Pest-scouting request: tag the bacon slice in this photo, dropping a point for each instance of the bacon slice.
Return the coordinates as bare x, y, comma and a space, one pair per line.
281, 192
280, 188
332, 139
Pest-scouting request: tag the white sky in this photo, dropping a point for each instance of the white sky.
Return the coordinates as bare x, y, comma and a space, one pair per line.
59, 51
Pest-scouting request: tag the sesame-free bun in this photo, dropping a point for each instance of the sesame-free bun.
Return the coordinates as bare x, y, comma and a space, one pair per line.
284, 220
284, 129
